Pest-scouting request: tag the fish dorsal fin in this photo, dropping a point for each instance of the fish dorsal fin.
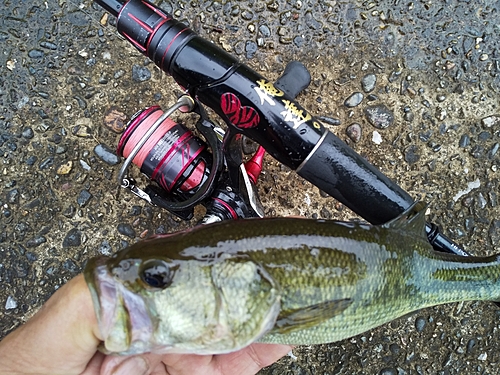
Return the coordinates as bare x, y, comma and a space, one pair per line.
309, 316
412, 220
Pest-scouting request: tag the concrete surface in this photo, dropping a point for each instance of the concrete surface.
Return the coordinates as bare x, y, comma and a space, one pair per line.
435, 66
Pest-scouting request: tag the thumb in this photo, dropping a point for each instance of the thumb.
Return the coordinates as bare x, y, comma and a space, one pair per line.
61, 338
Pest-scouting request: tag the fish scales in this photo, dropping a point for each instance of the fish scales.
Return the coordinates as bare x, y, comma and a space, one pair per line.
284, 280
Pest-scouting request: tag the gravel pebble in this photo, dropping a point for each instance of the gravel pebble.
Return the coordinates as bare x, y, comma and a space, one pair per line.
105, 248
140, 73
36, 54
354, 100
27, 133
106, 154
330, 120
490, 121
126, 230
388, 371
250, 49
412, 154
13, 196
83, 198
31, 160
114, 119
420, 323
11, 303
354, 132
65, 168
368, 82
47, 163
36, 241
73, 238
464, 141
379, 116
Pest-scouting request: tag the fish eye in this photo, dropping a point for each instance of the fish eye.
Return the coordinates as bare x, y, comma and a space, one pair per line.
156, 273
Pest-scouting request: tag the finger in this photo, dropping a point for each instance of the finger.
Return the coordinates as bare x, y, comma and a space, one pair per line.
251, 359
94, 366
143, 364
62, 337
183, 364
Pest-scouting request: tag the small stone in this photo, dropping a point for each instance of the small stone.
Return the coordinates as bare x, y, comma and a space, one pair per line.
483, 356
114, 119
80, 101
85, 165
409, 116
250, 49
354, 132
464, 141
105, 248
354, 100
13, 196
135, 211
73, 238
82, 128
47, 163
411, 154
70, 265
493, 150
298, 41
477, 151
265, 31
394, 75
11, 64
74, 70
481, 201
494, 232
441, 114
119, 73
83, 198
36, 54
330, 120
420, 323
379, 116
61, 150
368, 82
11, 303
490, 121
484, 136
48, 45
106, 154
126, 230
376, 138
65, 168
36, 241
27, 133
140, 73
31, 160
388, 371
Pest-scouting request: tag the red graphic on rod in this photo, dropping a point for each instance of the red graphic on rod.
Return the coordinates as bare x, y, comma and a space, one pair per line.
241, 117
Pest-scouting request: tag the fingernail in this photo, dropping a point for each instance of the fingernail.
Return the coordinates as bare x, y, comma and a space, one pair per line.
132, 366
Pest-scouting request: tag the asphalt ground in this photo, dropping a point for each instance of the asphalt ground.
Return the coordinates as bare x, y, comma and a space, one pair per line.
434, 65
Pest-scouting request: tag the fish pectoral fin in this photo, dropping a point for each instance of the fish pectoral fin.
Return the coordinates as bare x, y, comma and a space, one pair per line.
412, 220
309, 316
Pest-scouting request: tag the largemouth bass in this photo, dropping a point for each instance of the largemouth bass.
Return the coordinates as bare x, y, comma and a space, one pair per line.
217, 288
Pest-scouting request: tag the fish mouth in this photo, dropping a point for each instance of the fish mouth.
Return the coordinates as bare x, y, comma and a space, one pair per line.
122, 316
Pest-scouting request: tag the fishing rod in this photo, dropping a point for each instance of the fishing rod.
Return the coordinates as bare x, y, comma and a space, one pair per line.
252, 106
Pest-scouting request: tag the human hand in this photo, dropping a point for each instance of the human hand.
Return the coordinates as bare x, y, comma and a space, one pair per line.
62, 338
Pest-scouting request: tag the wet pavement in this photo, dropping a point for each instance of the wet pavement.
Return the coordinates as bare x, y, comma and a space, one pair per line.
431, 67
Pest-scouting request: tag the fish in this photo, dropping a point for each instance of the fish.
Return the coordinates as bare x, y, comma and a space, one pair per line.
217, 288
